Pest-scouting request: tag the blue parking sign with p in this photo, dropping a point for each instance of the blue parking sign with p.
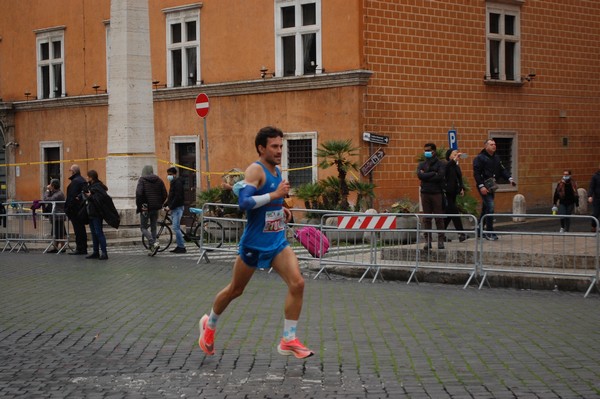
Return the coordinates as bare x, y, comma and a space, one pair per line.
452, 142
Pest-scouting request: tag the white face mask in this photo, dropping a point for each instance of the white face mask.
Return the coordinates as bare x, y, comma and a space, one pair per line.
170, 177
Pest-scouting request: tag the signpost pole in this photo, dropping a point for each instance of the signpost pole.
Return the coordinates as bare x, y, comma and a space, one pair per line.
370, 152
206, 155
202, 106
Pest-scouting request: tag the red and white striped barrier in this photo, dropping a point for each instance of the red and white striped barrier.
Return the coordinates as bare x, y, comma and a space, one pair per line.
366, 222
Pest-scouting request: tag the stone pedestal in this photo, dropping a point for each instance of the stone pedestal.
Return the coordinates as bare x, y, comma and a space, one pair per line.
131, 143
519, 207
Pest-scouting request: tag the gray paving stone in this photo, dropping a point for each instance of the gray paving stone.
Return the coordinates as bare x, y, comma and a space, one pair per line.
128, 329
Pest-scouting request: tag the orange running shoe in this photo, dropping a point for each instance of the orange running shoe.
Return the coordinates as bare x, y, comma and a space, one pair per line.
207, 337
294, 347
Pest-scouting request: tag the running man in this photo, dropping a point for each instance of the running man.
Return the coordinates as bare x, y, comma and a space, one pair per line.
263, 244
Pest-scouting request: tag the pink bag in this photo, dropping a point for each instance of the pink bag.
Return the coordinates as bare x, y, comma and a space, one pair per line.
311, 239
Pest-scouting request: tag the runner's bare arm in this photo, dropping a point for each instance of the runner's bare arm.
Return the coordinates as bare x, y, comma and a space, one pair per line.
253, 178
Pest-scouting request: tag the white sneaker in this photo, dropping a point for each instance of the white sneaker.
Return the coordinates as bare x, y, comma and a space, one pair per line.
561, 230
153, 249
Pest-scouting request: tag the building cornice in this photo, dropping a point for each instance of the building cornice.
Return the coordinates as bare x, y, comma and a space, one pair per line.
358, 77
268, 85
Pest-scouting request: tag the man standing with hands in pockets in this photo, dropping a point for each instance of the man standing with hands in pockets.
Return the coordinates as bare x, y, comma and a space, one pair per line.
263, 244
487, 166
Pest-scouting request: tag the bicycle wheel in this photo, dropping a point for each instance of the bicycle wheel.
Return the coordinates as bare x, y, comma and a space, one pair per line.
164, 236
212, 236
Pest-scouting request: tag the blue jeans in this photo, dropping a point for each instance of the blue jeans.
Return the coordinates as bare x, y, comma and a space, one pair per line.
563, 209
176, 215
98, 238
487, 208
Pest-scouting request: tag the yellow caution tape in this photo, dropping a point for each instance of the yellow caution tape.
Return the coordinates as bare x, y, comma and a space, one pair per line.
140, 155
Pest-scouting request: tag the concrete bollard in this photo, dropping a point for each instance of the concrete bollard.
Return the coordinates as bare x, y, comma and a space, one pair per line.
582, 209
519, 207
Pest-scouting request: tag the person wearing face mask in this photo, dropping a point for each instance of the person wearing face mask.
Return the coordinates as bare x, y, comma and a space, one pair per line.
174, 205
431, 173
566, 198
487, 166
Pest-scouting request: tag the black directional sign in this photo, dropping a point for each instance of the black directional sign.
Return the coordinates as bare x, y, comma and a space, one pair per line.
376, 138
372, 162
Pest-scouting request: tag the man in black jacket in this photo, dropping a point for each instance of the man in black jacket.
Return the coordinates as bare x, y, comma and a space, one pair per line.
432, 174
150, 195
73, 203
594, 197
486, 167
175, 204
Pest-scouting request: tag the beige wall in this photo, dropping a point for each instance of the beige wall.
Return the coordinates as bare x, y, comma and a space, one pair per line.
428, 62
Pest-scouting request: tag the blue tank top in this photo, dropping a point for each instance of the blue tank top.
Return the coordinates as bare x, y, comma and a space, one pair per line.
265, 227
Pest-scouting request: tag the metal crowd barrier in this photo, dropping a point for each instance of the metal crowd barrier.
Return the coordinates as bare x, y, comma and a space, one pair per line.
221, 232
370, 247
547, 251
366, 242
22, 226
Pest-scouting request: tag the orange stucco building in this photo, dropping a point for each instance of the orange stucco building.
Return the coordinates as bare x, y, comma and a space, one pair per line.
519, 71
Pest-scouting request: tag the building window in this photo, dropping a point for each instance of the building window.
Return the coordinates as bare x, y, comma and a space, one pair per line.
506, 148
50, 64
51, 153
297, 37
299, 158
183, 46
503, 42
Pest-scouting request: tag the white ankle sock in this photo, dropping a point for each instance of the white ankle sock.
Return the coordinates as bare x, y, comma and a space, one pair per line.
289, 329
212, 320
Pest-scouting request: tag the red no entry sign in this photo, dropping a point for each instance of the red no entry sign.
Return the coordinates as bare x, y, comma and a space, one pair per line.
202, 105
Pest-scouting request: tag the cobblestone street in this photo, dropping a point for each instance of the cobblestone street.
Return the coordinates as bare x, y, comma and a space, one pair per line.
127, 327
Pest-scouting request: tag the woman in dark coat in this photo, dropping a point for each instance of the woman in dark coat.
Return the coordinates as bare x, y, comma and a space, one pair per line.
95, 188
454, 187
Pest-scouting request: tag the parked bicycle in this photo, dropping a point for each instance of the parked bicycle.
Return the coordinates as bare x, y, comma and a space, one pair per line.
212, 235
164, 234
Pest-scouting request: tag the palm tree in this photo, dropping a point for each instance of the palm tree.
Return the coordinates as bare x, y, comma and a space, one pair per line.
331, 192
310, 193
365, 192
339, 153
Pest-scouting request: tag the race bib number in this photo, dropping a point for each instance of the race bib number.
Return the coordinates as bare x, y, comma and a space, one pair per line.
274, 221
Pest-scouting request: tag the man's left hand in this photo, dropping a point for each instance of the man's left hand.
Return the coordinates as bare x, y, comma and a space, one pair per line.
288, 214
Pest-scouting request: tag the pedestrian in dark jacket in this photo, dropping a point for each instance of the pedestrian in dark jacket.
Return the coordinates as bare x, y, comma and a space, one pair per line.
454, 187
566, 198
432, 174
175, 203
73, 203
54, 194
95, 187
594, 197
487, 166
150, 196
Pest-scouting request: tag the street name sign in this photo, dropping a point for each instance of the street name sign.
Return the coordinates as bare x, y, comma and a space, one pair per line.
376, 138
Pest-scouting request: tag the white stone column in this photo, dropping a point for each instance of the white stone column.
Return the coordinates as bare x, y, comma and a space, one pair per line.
131, 143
